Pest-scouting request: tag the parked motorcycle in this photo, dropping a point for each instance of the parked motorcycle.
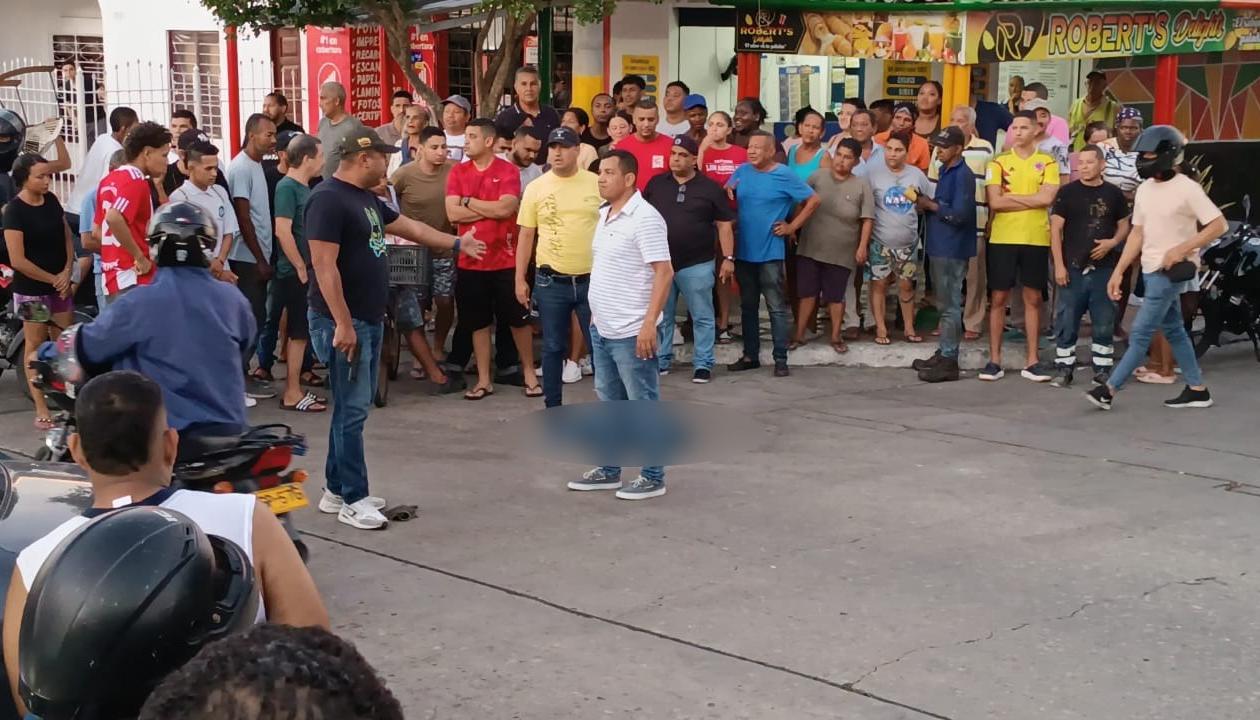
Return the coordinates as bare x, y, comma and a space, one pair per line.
13, 339
256, 462
1229, 286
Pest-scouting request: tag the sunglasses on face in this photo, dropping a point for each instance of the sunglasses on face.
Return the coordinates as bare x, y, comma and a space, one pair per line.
682, 194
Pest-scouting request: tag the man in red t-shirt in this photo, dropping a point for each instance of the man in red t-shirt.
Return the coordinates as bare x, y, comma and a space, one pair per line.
482, 195
647, 146
124, 206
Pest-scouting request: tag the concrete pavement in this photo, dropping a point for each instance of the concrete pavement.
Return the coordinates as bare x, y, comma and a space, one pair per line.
886, 550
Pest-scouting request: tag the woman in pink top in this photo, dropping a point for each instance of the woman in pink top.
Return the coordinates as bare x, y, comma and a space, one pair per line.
718, 160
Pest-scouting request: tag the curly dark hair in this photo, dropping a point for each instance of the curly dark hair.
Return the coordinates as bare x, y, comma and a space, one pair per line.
147, 134
274, 672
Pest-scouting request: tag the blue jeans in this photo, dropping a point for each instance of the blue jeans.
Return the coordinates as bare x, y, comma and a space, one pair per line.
1161, 310
619, 375
948, 275
557, 299
755, 281
695, 283
345, 471
1086, 291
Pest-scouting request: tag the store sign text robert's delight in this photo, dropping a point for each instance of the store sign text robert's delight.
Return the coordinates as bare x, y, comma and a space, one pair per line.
1135, 33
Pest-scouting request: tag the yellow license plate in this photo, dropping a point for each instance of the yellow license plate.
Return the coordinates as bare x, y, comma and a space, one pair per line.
283, 498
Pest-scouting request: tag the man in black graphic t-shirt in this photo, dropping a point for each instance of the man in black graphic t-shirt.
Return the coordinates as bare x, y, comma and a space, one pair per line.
345, 226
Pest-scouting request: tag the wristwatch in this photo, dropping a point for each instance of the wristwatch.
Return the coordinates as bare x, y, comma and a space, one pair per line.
731, 258
464, 201
457, 241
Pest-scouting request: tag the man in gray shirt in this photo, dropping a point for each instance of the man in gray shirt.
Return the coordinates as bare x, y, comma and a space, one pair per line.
336, 124
893, 249
250, 260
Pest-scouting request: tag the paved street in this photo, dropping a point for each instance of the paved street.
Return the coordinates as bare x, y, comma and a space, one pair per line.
885, 550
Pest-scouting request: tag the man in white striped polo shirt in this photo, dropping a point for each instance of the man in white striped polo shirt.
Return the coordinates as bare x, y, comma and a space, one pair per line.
630, 278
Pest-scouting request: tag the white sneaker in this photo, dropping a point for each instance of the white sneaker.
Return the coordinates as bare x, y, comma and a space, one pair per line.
329, 503
250, 402
572, 373
362, 515
585, 364
538, 371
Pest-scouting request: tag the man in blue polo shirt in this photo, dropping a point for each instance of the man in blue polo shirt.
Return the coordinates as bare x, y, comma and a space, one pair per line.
766, 192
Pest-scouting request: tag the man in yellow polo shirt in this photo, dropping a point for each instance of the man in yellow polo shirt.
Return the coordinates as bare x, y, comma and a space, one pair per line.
1021, 184
558, 215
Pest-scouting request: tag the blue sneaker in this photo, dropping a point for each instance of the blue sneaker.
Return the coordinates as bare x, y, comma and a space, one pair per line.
992, 372
596, 479
642, 489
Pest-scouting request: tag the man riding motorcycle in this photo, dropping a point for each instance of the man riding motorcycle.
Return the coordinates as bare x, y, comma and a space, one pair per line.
128, 449
186, 331
126, 600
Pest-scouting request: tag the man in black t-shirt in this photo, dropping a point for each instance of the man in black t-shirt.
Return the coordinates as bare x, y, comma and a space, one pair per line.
527, 110
345, 226
699, 217
1088, 226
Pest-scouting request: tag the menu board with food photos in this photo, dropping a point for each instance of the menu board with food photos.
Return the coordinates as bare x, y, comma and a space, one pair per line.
893, 36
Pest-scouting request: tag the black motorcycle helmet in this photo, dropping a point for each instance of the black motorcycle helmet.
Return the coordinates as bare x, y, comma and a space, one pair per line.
181, 233
12, 132
1169, 146
122, 602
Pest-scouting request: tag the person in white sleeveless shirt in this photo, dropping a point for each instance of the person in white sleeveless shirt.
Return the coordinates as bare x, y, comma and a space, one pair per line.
128, 451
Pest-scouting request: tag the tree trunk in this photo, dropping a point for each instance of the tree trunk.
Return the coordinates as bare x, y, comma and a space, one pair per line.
492, 83
393, 19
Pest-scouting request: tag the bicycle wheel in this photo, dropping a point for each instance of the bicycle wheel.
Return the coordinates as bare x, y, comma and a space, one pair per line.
391, 351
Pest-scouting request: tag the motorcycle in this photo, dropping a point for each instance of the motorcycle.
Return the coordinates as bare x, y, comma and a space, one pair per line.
255, 462
12, 340
1229, 286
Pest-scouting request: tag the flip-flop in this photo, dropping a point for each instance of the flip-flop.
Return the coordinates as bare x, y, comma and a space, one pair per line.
478, 393
796, 345
263, 375
853, 333
914, 338
417, 374
971, 335
883, 340
308, 404
534, 392
310, 379
840, 347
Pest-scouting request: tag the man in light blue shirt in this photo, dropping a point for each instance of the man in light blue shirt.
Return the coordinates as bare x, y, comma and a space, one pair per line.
87, 239
765, 193
251, 260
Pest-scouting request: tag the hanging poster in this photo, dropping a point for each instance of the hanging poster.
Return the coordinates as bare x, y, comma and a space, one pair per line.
365, 75
903, 78
1038, 35
327, 60
881, 35
647, 67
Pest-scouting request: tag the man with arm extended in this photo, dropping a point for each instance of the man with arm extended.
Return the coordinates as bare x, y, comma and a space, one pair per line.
346, 225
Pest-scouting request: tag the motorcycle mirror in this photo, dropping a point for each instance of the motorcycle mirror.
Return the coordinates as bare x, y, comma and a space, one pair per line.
34, 311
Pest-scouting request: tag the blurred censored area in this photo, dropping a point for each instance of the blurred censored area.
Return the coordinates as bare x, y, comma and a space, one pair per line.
636, 433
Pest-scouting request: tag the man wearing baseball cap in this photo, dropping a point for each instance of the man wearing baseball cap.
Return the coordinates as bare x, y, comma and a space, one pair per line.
177, 172
1046, 142
699, 217
456, 110
697, 109
558, 214
1095, 106
951, 243
345, 225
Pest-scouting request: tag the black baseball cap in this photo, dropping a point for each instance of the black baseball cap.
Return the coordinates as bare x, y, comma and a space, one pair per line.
361, 139
563, 136
196, 140
687, 143
1096, 74
949, 136
284, 137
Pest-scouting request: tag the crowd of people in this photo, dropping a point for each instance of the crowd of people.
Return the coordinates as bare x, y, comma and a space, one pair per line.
582, 226
1013, 220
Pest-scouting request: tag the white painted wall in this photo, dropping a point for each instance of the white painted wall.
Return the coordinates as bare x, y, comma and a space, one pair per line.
644, 28
29, 34
703, 55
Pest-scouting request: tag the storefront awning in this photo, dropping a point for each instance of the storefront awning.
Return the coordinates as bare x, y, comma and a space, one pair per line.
1006, 31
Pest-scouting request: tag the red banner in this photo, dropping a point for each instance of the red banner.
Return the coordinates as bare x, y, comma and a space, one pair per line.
327, 60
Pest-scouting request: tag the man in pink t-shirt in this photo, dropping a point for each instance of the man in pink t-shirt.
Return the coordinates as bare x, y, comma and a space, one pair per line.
650, 148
